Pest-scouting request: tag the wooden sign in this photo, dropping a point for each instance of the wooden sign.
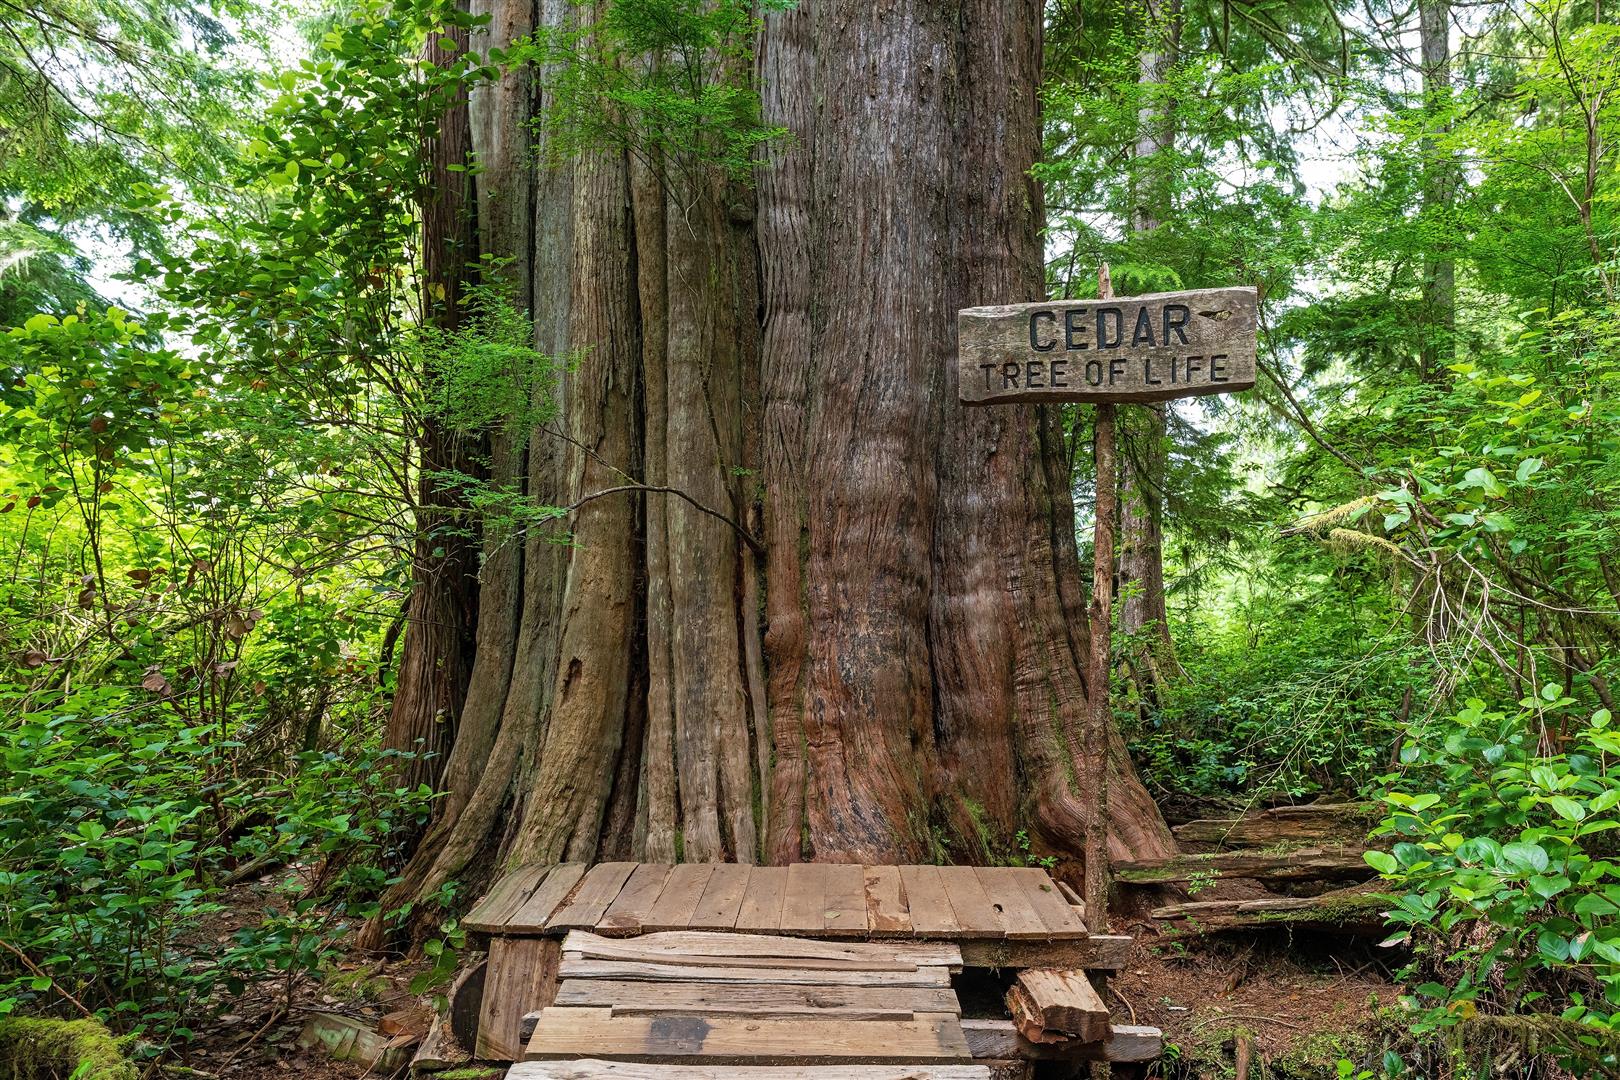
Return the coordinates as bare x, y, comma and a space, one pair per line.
1135, 348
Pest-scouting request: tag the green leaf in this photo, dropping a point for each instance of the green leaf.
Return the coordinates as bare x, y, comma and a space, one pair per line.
1381, 861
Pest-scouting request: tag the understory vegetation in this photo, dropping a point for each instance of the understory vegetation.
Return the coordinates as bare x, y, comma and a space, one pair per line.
238, 431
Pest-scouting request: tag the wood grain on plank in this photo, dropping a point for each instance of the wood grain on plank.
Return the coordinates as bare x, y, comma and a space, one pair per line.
805, 902
596, 1069
586, 968
532, 916
592, 897
975, 914
844, 901
722, 898
695, 946
629, 909
1019, 918
927, 902
1056, 912
763, 1000
762, 899
999, 1040
491, 913
886, 911
521, 977
1057, 1001
567, 1032
1108, 952
679, 898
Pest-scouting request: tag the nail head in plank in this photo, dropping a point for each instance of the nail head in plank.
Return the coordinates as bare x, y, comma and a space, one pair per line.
498, 905
885, 901
975, 914
1059, 916
844, 902
679, 899
564, 1032
722, 898
804, 907
521, 976
695, 946
629, 909
930, 908
595, 893
762, 900
532, 916
766, 1000
1018, 914
584, 968
596, 1069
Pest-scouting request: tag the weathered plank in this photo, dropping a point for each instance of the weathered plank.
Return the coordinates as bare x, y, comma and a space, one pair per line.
770, 1000
592, 897
930, 908
1316, 823
585, 968
762, 899
748, 950
565, 1032
970, 904
521, 976
886, 911
1099, 952
1309, 864
1049, 1001
532, 915
1019, 918
491, 913
595, 1069
999, 1039
804, 906
844, 901
1060, 917
679, 899
722, 898
630, 908
1139, 348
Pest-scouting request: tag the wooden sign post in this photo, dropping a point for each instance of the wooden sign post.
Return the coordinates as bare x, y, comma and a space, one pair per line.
1140, 348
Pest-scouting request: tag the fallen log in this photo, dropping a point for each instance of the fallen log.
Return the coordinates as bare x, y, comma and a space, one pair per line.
1350, 911
1309, 864
1051, 1005
1318, 823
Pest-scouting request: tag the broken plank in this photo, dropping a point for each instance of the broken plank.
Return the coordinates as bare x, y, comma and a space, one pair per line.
886, 911
521, 976
531, 917
581, 968
930, 908
761, 907
844, 901
595, 1069
630, 908
722, 898
592, 897
679, 898
490, 913
1057, 1001
1311, 864
565, 1032
768, 1000
700, 947
999, 1039
1098, 952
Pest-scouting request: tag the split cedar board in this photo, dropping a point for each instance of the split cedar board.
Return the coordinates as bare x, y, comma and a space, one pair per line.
1136, 348
996, 905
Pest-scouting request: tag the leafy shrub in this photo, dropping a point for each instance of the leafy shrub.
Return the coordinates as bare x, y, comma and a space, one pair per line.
1508, 887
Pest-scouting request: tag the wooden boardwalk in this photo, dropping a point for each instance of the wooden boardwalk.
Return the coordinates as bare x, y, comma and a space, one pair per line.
815, 970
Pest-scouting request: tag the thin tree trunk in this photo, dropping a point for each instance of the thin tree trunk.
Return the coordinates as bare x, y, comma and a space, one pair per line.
1438, 348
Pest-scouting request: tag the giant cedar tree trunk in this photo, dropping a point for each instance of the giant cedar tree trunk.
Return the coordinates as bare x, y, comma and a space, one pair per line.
436, 659
914, 562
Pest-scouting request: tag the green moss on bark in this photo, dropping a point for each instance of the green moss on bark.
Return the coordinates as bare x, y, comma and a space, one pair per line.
38, 1049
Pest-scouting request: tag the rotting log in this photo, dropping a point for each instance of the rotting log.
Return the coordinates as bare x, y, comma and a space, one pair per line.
1052, 1005
1349, 911
999, 1039
1315, 823
1303, 864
